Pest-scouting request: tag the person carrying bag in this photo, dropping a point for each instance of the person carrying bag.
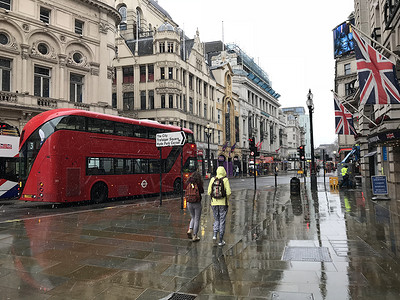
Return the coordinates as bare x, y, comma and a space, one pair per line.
193, 192
220, 190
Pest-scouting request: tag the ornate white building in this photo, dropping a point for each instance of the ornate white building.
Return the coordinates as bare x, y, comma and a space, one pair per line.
55, 54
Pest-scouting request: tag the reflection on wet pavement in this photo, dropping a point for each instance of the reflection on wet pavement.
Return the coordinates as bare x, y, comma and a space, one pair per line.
319, 245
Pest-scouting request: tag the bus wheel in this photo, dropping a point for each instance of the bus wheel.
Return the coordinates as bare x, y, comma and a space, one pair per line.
177, 186
99, 192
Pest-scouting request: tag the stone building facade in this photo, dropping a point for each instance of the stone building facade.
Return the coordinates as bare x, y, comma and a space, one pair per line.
161, 74
55, 54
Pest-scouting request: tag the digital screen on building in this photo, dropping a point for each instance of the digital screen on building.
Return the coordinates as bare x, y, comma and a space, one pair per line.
343, 42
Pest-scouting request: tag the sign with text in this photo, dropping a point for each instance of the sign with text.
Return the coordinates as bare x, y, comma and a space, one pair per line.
170, 139
379, 185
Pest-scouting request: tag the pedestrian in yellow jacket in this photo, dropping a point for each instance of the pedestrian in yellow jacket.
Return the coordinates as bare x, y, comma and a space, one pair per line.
220, 191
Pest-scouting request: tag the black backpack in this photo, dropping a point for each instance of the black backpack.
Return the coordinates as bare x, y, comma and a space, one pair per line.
218, 189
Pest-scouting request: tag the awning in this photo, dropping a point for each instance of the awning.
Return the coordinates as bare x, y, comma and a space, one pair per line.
370, 154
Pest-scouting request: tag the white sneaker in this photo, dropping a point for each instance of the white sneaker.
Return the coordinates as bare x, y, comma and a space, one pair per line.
221, 243
214, 238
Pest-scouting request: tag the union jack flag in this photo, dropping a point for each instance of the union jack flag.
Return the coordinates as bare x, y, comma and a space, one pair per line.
343, 119
376, 75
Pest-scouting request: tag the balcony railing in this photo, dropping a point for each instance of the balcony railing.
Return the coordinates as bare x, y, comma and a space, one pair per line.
8, 97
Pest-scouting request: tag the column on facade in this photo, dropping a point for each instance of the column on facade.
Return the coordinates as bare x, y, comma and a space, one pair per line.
25, 56
136, 91
119, 78
61, 79
102, 92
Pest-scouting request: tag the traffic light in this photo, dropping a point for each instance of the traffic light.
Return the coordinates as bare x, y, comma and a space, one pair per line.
252, 147
252, 143
300, 151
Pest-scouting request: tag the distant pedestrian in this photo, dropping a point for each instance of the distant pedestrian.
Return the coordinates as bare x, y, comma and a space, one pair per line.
220, 191
345, 177
193, 192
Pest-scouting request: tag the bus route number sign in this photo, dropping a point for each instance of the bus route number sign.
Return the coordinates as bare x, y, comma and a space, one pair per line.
170, 139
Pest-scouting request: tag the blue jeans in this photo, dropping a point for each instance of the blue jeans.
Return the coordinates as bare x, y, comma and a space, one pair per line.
195, 212
219, 212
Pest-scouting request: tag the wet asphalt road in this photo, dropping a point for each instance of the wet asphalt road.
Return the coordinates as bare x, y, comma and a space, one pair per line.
327, 244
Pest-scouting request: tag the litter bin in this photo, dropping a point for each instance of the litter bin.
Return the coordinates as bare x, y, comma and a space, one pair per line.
295, 186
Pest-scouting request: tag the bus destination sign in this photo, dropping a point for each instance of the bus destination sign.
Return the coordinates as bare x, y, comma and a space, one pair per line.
170, 139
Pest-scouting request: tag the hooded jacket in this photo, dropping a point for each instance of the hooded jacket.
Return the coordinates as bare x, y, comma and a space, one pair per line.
220, 173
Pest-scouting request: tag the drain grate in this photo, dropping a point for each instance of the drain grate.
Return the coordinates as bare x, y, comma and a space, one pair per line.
318, 254
292, 296
178, 296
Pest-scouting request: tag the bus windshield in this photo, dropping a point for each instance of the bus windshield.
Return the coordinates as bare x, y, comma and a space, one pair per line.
30, 149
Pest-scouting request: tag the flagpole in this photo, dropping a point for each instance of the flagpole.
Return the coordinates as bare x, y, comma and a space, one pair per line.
374, 41
356, 109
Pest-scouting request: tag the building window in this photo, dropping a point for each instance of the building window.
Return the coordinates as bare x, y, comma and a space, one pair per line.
191, 81
41, 82
122, 11
143, 100
218, 116
170, 47
205, 89
170, 73
114, 100
347, 69
171, 101
184, 103
6, 4
184, 78
151, 99
4, 39
78, 27
127, 99
142, 71
162, 101
127, 74
76, 88
150, 75
205, 111
190, 104
5, 74
349, 88
162, 73
45, 15
162, 47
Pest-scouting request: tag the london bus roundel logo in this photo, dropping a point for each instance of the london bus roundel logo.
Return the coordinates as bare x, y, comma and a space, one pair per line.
144, 184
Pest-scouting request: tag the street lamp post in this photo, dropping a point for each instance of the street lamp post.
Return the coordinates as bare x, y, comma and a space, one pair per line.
208, 134
310, 105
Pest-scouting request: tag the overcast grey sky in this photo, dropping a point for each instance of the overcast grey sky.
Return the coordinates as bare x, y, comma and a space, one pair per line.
291, 40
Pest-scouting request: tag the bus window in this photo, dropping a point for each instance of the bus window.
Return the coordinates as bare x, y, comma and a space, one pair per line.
140, 131
119, 166
189, 138
141, 166
107, 164
154, 166
71, 123
128, 166
123, 129
94, 125
190, 165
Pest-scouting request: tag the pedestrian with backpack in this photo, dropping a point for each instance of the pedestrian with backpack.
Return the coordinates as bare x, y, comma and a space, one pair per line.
220, 191
193, 192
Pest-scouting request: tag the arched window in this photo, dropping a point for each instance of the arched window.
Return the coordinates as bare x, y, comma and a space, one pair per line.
228, 122
122, 11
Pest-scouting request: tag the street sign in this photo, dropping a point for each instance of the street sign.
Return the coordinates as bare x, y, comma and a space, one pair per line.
379, 185
169, 139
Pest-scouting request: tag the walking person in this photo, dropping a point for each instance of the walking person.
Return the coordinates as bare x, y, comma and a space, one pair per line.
220, 191
193, 191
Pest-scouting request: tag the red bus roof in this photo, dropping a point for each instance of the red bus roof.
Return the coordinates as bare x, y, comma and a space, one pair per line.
43, 117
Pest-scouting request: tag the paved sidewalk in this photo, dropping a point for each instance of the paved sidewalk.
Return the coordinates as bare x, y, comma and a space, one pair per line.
324, 245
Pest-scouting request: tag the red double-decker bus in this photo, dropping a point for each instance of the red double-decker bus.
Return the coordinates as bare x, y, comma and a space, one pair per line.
69, 155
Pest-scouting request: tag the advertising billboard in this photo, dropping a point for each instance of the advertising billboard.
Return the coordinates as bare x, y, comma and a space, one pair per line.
343, 42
